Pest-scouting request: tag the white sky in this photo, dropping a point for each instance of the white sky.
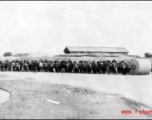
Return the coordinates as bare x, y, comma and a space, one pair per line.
49, 26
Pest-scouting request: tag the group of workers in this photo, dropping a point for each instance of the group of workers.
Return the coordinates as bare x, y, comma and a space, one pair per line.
67, 66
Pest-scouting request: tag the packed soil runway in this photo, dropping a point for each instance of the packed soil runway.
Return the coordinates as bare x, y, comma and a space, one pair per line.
74, 96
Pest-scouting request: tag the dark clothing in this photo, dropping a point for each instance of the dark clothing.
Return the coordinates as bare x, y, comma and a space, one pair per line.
67, 66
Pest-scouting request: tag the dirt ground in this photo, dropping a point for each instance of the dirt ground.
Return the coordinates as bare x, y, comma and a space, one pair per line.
28, 100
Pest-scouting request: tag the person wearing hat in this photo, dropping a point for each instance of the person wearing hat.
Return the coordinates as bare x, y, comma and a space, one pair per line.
40, 66
81, 67
71, 65
100, 67
104, 67
88, 67
2, 66
21, 66
25, 66
45, 66
114, 67
56, 66
8, 65
94, 67
51, 66
62, 66
128, 67
75, 67
17, 65
119, 67
108, 64
123, 68
5, 65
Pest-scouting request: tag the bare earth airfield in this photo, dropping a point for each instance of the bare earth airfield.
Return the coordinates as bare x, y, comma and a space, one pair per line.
74, 96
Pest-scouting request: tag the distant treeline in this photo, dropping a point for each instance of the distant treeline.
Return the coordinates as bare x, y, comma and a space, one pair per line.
7, 54
148, 55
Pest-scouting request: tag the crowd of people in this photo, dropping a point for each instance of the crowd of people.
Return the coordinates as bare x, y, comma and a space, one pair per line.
67, 66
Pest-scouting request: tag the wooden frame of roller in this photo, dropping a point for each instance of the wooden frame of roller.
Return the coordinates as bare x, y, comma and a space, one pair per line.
142, 67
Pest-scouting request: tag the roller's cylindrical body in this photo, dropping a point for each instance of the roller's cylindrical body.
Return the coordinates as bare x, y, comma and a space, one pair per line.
141, 67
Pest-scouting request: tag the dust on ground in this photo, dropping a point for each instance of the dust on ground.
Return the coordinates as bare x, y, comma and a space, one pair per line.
27, 102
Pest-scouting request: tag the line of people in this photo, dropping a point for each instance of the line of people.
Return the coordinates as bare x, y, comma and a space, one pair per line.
67, 66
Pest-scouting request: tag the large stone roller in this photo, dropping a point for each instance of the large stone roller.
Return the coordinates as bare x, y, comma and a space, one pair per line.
140, 67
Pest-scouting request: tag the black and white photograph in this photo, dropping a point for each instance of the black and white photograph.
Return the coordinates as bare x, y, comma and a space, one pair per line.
75, 60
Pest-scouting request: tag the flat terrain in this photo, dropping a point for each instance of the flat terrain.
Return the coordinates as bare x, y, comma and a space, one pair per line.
74, 96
